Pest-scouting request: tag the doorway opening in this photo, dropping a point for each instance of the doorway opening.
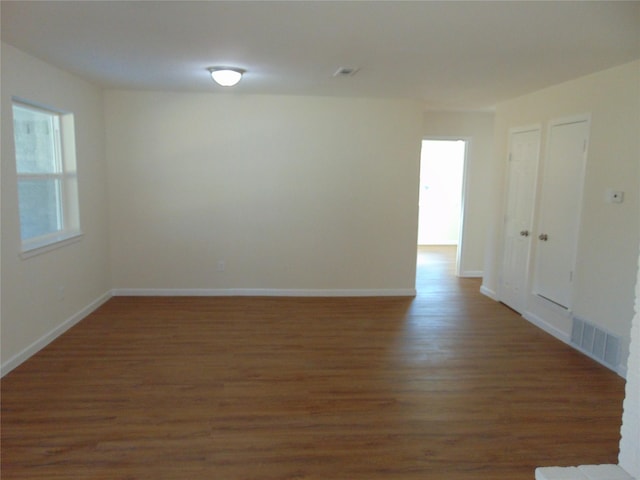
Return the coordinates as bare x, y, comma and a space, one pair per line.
441, 198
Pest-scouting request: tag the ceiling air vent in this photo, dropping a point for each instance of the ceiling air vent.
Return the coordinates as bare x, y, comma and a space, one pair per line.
346, 72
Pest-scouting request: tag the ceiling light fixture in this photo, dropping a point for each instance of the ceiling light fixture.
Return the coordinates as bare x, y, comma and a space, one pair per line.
226, 76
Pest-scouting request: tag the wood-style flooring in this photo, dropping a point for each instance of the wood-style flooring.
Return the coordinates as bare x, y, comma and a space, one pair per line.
447, 385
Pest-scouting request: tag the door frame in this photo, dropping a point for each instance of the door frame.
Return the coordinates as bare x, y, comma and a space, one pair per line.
463, 201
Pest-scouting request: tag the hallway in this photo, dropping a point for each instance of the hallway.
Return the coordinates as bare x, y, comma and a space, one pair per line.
436, 267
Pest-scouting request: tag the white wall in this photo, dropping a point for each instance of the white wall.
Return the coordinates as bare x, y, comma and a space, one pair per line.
291, 193
478, 128
609, 234
32, 307
630, 431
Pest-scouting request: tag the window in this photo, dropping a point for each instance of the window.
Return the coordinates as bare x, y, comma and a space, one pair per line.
46, 173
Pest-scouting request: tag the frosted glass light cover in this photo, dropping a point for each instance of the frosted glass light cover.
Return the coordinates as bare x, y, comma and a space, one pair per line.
226, 77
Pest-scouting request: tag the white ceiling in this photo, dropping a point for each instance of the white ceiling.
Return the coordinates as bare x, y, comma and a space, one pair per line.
452, 55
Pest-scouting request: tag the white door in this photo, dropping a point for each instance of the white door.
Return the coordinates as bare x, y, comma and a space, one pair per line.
557, 235
524, 149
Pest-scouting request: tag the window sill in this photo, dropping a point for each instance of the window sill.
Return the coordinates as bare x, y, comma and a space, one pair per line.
49, 244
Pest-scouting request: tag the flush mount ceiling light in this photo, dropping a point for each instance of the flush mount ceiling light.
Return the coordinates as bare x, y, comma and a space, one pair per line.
226, 76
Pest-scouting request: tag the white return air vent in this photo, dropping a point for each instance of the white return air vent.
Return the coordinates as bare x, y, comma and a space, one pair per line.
346, 71
595, 342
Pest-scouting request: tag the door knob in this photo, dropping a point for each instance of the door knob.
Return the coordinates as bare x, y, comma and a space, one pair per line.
543, 236
524, 233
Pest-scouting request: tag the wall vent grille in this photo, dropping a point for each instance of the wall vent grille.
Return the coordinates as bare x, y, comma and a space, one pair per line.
346, 71
595, 342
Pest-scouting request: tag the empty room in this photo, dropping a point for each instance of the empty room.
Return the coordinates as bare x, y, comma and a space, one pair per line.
211, 258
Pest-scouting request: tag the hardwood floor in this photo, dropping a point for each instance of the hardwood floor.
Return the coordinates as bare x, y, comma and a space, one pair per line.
449, 385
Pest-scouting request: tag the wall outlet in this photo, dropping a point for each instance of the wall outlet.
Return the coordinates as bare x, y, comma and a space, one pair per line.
220, 266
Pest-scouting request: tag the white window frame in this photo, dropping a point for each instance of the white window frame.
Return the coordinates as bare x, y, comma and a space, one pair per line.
68, 230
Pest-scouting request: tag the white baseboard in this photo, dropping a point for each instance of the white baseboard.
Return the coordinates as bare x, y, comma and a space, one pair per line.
622, 371
489, 293
46, 339
564, 337
260, 292
471, 274
547, 327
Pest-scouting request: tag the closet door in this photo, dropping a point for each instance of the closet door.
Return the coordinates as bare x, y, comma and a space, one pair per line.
524, 149
557, 235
